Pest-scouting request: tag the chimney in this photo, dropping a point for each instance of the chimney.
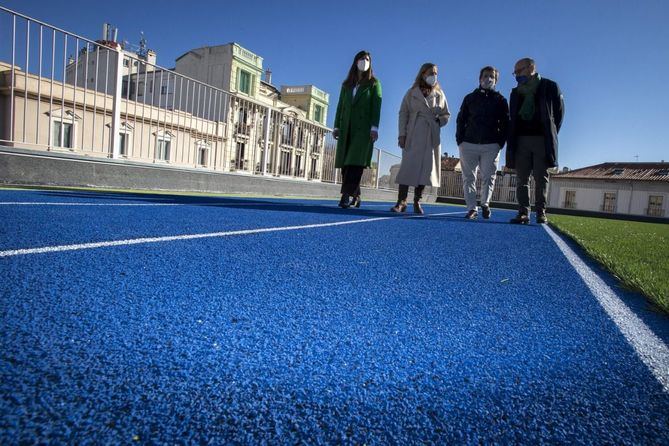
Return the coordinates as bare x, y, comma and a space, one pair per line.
268, 76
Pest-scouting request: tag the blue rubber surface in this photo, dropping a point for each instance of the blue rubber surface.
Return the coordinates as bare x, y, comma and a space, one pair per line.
402, 331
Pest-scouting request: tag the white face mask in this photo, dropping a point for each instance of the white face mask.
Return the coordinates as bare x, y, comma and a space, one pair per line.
431, 80
363, 65
488, 83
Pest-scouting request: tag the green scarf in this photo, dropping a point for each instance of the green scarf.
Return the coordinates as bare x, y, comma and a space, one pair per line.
527, 92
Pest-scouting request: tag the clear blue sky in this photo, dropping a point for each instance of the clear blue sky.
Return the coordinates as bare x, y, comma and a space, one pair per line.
611, 58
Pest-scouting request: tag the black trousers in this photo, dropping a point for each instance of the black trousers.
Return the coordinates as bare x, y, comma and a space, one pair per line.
351, 176
403, 192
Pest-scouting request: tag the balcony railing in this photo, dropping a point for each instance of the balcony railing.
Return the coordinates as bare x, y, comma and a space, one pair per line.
655, 212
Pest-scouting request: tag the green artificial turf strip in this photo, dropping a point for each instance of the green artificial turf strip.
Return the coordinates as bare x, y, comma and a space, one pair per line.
637, 253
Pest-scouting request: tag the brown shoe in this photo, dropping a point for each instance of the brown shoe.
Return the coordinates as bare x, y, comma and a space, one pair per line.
472, 214
520, 219
401, 206
417, 208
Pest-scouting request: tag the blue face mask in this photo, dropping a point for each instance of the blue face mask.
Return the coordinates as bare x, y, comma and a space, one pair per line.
522, 79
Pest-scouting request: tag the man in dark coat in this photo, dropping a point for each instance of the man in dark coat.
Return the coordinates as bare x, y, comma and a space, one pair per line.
536, 112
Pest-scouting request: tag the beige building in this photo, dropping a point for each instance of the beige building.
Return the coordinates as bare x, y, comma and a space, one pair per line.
617, 188
211, 111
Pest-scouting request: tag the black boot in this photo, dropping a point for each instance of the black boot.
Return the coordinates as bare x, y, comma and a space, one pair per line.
417, 196
521, 218
400, 206
344, 202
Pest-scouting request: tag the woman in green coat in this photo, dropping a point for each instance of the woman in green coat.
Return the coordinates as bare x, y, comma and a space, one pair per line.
356, 126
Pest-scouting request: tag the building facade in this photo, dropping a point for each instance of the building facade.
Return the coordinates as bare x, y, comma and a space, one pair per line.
617, 188
211, 111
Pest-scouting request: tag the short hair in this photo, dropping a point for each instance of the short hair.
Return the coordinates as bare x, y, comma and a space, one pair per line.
528, 61
493, 70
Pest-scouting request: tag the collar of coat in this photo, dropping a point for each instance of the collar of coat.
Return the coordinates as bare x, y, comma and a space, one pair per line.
418, 95
365, 85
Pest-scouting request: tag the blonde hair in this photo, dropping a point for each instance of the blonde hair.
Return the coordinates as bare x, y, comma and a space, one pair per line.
420, 82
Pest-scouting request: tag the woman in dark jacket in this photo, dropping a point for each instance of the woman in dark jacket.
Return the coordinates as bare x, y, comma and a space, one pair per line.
356, 126
482, 126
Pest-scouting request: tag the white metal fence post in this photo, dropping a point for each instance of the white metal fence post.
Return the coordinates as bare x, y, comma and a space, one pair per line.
378, 170
265, 152
116, 107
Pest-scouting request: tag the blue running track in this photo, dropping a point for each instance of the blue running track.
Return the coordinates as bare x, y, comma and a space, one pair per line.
387, 330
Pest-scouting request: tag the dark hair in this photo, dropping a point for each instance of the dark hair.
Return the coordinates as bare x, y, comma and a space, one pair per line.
367, 76
420, 82
495, 72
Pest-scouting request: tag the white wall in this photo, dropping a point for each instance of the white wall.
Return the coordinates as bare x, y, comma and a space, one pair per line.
632, 197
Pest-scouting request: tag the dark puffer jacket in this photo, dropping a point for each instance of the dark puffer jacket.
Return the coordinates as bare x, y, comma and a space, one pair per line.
483, 118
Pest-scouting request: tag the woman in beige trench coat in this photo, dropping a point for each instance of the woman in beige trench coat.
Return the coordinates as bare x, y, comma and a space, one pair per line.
423, 112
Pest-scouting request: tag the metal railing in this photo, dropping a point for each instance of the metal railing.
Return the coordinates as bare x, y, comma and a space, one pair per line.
655, 212
73, 94
504, 191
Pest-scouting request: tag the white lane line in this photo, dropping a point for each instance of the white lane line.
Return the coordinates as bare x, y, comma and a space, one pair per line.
47, 203
137, 241
651, 349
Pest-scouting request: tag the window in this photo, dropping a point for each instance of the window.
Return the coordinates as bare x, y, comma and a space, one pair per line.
287, 136
655, 206
570, 199
163, 148
244, 82
299, 169
318, 113
62, 134
126, 63
284, 164
240, 163
313, 171
202, 155
123, 144
609, 204
163, 89
618, 171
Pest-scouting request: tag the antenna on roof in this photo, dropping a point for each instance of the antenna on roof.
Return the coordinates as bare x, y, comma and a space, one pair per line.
637, 158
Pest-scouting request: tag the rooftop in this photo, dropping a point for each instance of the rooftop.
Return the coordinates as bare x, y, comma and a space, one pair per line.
621, 171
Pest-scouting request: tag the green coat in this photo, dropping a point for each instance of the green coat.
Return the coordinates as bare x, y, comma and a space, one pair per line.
354, 119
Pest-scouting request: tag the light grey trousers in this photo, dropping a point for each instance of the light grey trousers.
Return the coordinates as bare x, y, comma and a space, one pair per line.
472, 158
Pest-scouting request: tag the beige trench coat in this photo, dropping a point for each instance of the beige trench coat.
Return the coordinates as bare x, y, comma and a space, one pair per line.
420, 121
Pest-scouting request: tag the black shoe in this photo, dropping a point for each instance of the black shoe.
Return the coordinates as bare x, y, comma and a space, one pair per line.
417, 208
486, 212
344, 203
520, 219
541, 217
355, 202
471, 215
401, 206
